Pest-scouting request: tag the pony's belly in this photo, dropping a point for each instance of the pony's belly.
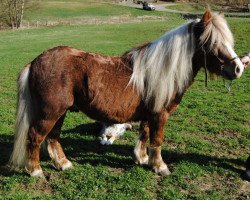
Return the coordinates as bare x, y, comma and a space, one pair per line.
108, 114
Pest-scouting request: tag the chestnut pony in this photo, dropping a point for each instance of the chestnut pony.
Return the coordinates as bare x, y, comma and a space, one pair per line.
145, 84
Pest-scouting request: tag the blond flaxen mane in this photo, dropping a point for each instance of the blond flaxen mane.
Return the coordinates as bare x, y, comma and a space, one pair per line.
163, 66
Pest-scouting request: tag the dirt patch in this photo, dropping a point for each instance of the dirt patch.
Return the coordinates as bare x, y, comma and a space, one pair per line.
224, 184
228, 134
116, 170
243, 192
247, 124
246, 106
207, 182
39, 187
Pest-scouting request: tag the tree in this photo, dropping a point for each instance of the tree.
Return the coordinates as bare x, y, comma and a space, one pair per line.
12, 12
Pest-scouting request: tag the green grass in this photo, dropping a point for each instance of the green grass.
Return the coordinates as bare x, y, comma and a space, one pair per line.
188, 7
207, 139
61, 10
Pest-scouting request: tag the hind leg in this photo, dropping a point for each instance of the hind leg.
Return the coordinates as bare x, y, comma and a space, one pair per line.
140, 150
36, 135
55, 149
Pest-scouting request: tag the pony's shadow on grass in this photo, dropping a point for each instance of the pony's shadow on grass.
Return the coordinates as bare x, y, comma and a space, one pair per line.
6, 143
121, 155
88, 150
85, 129
204, 160
91, 151
138, 8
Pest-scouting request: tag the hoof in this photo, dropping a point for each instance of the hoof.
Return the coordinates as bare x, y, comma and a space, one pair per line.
62, 164
109, 142
67, 165
140, 154
103, 140
34, 172
142, 160
162, 170
37, 173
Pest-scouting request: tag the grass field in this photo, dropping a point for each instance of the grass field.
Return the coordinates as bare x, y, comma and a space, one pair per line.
207, 139
62, 10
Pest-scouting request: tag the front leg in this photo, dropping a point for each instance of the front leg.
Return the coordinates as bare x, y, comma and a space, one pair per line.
156, 126
140, 151
156, 161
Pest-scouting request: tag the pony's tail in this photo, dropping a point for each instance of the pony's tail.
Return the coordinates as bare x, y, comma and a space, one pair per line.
24, 116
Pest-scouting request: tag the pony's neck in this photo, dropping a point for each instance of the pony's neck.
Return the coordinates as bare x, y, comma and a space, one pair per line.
198, 62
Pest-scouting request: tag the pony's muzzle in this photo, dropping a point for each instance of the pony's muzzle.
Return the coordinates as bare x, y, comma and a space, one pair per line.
238, 71
239, 68
233, 70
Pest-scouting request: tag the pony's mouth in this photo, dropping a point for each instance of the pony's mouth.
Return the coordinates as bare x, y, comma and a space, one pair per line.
227, 75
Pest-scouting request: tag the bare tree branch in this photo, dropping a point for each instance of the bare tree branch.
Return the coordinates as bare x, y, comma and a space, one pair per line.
12, 12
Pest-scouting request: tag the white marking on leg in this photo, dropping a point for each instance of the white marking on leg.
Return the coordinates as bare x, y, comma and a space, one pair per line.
140, 153
155, 160
67, 165
162, 170
52, 153
37, 173
59, 163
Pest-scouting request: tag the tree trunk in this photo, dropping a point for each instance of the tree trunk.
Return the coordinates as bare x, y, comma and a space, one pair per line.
15, 13
20, 17
10, 13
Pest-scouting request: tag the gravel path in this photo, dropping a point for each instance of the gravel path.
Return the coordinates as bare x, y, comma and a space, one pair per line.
163, 8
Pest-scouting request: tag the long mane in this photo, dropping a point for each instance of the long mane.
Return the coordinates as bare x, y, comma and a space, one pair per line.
164, 66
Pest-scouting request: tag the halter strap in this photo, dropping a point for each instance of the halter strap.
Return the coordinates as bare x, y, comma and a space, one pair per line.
234, 58
227, 85
205, 66
221, 67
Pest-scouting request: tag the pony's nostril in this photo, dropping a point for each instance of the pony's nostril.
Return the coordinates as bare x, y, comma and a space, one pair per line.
237, 70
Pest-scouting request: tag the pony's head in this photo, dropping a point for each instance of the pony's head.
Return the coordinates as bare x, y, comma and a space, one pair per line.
217, 45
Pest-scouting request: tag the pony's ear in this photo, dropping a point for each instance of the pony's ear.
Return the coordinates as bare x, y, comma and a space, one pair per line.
206, 17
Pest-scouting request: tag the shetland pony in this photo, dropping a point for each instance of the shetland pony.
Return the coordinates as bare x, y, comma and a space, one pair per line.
145, 84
